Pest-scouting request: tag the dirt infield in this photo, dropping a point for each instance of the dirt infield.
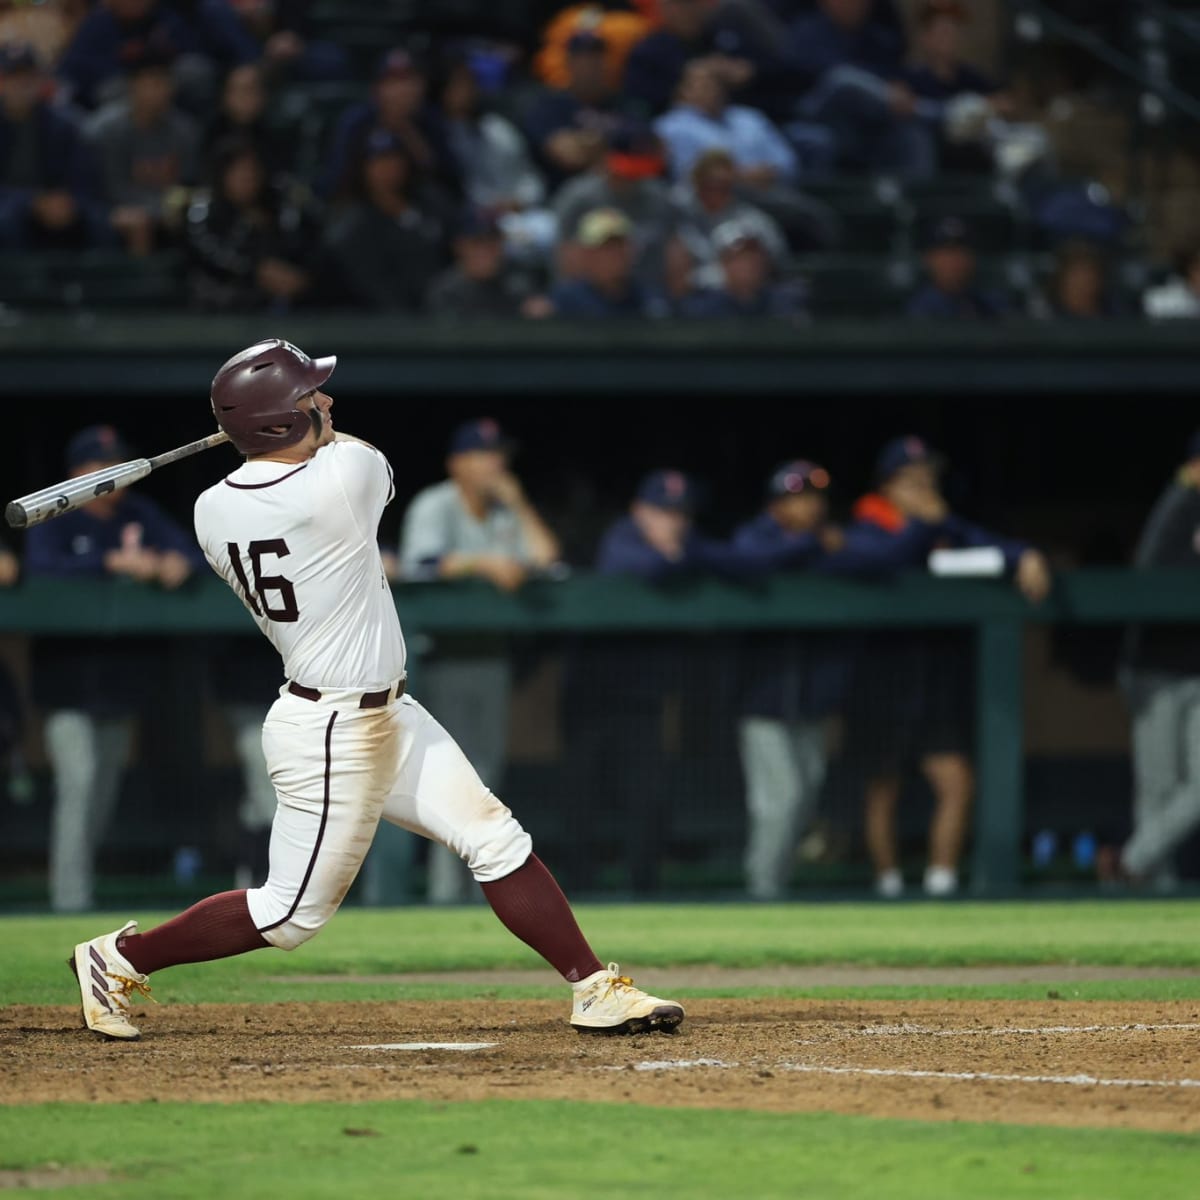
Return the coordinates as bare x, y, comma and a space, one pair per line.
1050, 1062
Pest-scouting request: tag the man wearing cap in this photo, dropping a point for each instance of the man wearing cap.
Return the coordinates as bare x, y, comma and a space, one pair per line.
605, 285
481, 283
913, 699
747, 287
145, 146
950, 292
398, 105
385, 249
1161, 680
618, 689
476, 524
48, 184
793, 684
91, 690
569, 127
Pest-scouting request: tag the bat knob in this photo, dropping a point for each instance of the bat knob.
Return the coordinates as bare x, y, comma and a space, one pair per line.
15, 515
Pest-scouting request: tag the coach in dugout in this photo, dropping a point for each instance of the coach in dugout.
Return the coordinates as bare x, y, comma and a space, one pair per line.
476, 524
90, 689
913, 698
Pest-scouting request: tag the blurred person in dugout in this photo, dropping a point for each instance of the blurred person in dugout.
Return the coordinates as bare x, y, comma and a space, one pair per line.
627, 694
1161, 679
476, 524
91, 689
793, 684
912, 694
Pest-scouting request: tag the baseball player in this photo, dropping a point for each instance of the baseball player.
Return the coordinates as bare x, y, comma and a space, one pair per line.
294, 532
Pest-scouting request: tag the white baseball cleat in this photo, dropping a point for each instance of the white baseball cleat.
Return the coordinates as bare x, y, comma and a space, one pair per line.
607, 1002
105, 981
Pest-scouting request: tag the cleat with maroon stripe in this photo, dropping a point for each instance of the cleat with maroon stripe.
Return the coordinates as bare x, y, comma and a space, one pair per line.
106, 980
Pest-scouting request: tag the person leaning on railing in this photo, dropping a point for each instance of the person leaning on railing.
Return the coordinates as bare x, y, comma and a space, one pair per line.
912, 692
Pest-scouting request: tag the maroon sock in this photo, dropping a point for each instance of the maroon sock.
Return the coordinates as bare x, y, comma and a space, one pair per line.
218, 927
532, 906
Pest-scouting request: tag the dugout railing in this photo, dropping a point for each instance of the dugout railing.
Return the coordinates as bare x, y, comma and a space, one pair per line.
706, 610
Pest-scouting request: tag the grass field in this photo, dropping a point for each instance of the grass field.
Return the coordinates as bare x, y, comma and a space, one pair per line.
535, 1148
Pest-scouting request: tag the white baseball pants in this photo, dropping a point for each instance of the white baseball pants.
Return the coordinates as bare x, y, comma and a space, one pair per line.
337, 770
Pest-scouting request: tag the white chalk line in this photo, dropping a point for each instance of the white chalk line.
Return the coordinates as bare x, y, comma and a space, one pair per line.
684, 1064
1003, 1030
989, 1077
425, 1046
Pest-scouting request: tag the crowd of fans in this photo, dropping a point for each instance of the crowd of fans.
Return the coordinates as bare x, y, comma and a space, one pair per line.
665, 158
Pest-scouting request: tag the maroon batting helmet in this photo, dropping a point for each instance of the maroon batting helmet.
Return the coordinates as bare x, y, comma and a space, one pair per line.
254, 395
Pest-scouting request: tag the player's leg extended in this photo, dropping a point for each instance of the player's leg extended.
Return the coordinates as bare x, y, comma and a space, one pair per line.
439, 795
331, 769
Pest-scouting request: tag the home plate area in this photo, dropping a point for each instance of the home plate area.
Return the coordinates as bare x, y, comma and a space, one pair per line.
1133, 1065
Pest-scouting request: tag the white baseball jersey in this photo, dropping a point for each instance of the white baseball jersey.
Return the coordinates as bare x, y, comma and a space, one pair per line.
297, 543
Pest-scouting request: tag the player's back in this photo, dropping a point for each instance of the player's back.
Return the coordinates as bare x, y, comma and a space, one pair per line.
297, 543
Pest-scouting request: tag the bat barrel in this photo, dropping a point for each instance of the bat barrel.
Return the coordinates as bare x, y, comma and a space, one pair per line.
73, 493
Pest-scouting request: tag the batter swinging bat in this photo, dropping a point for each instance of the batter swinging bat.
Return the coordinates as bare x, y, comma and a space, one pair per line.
64, 497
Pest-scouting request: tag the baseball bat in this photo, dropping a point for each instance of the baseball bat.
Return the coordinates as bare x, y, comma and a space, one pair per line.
70, 494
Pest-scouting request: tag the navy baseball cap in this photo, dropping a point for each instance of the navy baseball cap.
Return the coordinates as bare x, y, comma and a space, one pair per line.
382, 141
476, 222
17, 56
799, 475
947, 231
398, 64
668, 489
480, 434
97, 443
904, 452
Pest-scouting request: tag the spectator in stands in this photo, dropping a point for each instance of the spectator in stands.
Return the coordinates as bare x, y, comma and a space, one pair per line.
629, 181
481, 283
1079, 289
950, 292
703, 119
618, 30
242, 114
45, 27
145, 147
92, 690
48, 185
570, 127
727, 36
710, 200
116, 31
793, 684
386, 247
399, 106
1180, 295
606, 285
494, 163
1161, 680
477, 524
851, 64
282, 28
250, 237
913, 695
748, 286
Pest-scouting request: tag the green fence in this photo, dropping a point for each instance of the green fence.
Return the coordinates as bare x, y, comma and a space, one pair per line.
588, 604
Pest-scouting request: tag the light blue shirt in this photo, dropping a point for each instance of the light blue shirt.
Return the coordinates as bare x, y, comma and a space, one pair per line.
745, 133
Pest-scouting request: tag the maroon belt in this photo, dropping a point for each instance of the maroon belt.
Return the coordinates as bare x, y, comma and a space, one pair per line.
367, 700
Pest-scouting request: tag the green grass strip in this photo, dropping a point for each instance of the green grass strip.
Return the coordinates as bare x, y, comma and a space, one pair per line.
551, 1151
643, 937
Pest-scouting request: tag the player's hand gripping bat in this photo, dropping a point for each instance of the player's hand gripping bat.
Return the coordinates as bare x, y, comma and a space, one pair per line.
64, 497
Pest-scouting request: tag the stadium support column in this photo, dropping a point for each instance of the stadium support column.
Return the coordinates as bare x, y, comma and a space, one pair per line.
1000, 756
